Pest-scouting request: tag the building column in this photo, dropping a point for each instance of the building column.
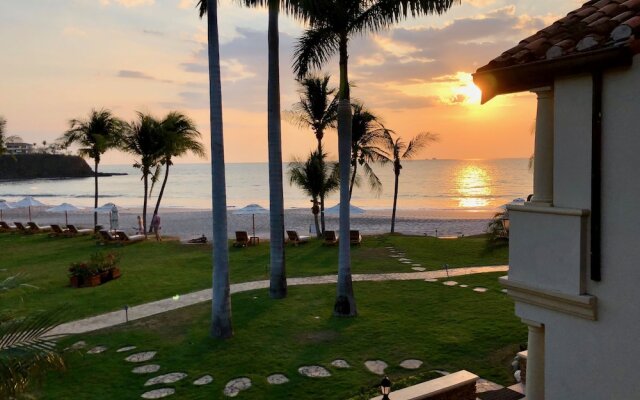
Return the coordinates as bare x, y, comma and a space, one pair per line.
543, 153
534, 388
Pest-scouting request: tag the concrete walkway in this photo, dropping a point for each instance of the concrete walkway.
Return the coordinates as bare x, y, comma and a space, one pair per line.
160, 306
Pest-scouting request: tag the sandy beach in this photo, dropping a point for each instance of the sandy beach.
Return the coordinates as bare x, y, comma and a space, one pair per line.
190, 223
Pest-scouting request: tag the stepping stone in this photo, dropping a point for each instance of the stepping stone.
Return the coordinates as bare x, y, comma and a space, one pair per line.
277, 379
203, 380
419, 269
125, 349
431, 280
406, 262
504, 291
450, 283
463, 286
158, 393
394, 255
314, 371
411, 364
141, 357
376, 366
480, 289
235, 386
146, 369
340, 364
416, 265
166, 378
403, 259
97, 350
77, 345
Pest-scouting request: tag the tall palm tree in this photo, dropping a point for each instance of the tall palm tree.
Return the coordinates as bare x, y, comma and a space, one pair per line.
315, 177
396, 150
317, 110
143, 138
3, 146
221, 304
179, 136
367, 132
331, 24
95, 135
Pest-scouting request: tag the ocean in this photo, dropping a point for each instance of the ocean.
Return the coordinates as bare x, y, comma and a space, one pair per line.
445, 186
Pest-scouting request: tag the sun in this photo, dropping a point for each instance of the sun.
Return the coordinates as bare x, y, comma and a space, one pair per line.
465, 92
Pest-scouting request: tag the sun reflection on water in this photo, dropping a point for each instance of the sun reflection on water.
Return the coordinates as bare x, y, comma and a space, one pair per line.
472, 183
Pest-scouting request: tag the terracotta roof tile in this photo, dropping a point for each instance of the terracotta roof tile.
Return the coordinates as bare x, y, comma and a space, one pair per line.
594, 26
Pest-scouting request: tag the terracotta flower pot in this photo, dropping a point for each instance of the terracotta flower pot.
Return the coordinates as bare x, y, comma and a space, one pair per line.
94, 280
114, 273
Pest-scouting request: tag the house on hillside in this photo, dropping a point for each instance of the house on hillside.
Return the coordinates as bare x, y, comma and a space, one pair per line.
19, 148
575, 247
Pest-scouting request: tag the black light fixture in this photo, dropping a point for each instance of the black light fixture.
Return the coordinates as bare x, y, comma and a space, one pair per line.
385, 388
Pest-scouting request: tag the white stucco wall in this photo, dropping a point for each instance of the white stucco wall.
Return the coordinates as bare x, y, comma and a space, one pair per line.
598, 360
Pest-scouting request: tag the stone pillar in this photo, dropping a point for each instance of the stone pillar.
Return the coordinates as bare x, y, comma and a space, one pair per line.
543, 153
534, 388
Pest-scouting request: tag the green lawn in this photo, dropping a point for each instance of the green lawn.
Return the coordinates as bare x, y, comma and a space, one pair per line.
153, 270
449, 328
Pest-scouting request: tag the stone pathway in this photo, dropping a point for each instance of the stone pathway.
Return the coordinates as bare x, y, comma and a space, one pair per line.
376, 366
411, 364
158, 393
340, 364
160, 306
166, 378
314, 371
235, 386
146, 369
203, 380
277, 379
141, 357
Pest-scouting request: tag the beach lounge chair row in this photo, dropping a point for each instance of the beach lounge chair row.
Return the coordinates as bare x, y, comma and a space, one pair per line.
119, 237
331, 238
69, 231
31, 227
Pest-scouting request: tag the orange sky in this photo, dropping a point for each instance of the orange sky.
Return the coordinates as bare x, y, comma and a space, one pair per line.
150, 55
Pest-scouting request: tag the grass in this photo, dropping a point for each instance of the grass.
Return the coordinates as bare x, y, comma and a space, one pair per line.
449, 328
153, 270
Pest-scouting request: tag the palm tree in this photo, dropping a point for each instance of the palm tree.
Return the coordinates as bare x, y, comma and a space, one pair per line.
179, 136
3, 146
396, 151
143, 138
95, 135
221, 304
331, 24
317, 110
316, 178
367, 132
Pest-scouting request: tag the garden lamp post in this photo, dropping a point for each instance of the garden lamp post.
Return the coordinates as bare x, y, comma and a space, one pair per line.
385, 388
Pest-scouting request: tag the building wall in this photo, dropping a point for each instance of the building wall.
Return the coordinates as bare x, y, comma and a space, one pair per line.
584, 359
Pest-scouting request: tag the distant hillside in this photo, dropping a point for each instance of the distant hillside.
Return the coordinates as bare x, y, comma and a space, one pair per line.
33, 166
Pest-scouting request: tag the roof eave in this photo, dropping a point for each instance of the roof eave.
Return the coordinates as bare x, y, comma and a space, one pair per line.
537, 74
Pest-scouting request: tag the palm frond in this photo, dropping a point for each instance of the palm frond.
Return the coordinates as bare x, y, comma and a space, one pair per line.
374, 182
314, 48
418, 143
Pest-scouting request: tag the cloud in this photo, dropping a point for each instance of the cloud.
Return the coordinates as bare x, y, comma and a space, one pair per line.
73, 31
128, 3
125, 73
152, 32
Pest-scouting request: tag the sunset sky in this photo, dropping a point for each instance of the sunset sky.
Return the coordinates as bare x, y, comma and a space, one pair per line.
63, 57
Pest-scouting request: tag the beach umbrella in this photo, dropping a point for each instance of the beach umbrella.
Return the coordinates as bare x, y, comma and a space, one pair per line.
106, 208
335, 210
113, 218
64, 207
29, 202
4, 206
252, 209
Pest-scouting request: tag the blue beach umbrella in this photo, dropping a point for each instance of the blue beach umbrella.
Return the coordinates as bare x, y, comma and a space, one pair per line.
29, 202
335, 210
252, 209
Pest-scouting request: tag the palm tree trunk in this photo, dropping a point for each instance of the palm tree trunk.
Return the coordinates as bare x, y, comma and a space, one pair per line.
164, 183
322, 224
221, 304
315, 218
95, 197
353, 179
345, 305
278, 284
395, 202
145, 176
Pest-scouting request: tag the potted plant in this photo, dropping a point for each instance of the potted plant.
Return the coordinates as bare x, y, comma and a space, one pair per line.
79, 274
101, 268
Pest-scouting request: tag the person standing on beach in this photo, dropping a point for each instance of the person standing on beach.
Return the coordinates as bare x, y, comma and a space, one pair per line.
140, 230
155, 226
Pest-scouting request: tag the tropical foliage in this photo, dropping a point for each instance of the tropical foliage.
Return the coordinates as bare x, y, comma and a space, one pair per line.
100, 132
395, 151
331, 24
367, 133
178, 137
317, 178
143, 138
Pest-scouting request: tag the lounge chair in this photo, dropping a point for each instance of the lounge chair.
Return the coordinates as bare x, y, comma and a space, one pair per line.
296, 239
57, 230
129, 239
21, 228
106, 237
330, 238
75, 231
4, 227
242, 239
35, 228
355, 237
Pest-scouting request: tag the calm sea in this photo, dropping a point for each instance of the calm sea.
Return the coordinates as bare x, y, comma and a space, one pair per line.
435, 185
